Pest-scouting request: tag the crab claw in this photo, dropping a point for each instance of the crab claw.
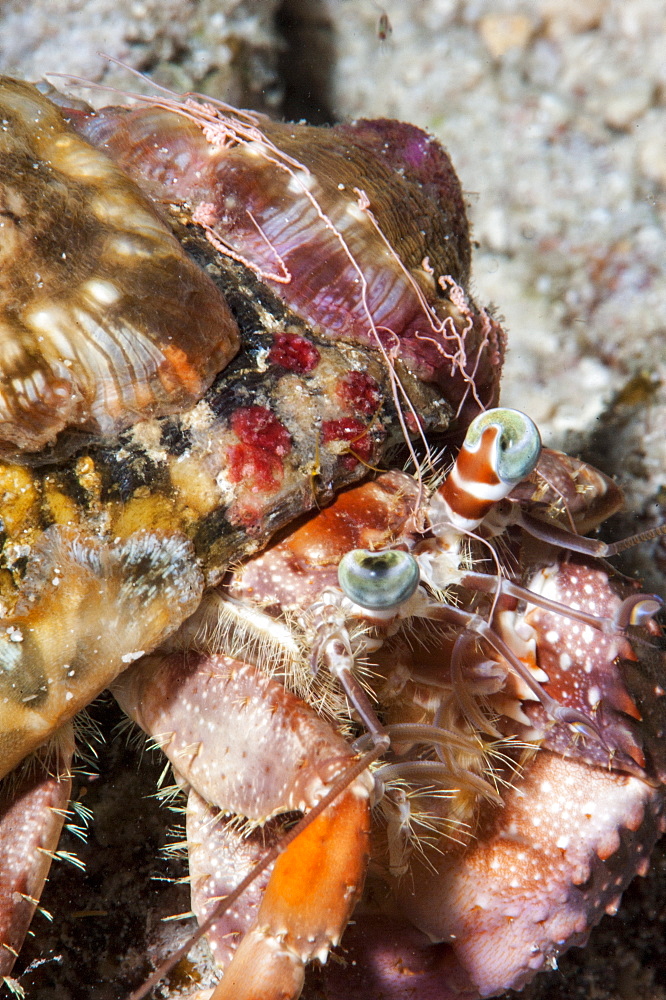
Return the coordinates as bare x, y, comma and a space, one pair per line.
272, 754
304, 910
541, 873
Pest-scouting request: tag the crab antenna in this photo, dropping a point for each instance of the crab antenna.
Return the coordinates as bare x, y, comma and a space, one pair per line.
555, 535
628, 543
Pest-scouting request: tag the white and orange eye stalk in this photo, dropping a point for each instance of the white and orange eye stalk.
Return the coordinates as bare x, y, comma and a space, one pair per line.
501, 448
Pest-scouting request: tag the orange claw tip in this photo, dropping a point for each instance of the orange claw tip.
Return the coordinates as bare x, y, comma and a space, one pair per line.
312, 891
104, 320
318, 878
263, 969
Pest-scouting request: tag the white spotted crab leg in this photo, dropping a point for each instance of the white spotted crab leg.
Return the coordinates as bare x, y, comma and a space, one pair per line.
572, 836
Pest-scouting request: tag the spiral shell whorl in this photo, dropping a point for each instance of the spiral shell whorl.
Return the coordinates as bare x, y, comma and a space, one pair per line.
103, 318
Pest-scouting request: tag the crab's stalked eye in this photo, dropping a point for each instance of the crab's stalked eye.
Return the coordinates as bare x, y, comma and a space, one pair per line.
501, 448
104, 320
517, 443
378, 580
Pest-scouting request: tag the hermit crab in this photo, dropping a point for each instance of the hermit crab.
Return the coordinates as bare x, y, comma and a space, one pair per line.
314, 314
164, 411
496, 880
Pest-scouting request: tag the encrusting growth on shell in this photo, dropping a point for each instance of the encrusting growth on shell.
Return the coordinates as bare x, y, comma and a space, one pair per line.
360, 228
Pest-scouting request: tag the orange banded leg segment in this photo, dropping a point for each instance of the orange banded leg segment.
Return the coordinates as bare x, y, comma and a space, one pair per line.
33, 804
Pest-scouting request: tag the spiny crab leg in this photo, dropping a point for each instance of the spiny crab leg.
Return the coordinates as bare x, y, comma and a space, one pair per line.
269, 857
544, 870
33, 807
296, 763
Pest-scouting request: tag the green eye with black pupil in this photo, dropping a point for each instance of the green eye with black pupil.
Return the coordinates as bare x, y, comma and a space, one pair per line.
378, 580
518, 443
